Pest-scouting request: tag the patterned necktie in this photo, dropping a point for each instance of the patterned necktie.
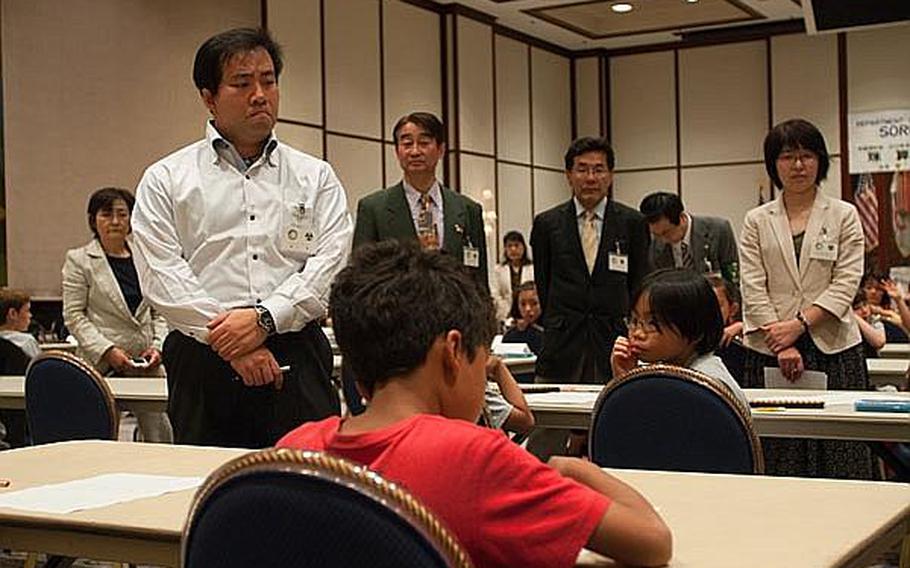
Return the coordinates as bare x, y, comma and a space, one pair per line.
687, 261
589, 240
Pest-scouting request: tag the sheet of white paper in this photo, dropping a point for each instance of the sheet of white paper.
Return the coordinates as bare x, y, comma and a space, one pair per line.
578, 398
94, 492
512, 350
813, 380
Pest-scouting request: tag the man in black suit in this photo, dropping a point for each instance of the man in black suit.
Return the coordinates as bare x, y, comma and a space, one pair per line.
703, 244
590, 253
419, 207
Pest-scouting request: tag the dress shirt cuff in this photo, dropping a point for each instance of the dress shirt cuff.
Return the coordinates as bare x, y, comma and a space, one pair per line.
286, 315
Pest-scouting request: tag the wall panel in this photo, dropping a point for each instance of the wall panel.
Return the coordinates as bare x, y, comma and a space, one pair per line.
352, 67
475, 85
723, 102
513, 110
304, 138
643, 110
413, 81
550, 188
804, 82
879, 76
515, 207
739, 186
587, 96
478, 181
552, 107
631, 187
358, 164
295, 25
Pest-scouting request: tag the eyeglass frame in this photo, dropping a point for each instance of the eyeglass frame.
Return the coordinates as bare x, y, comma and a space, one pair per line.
803, 156
647, 327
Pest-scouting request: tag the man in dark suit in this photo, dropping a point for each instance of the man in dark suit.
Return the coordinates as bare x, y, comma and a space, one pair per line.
590, 253
419, 207
703, 244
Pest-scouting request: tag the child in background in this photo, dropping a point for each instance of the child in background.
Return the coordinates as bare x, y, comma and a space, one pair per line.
415, 329
507, 407
526, 329
15, 317
675, 319
870, 326
731, 350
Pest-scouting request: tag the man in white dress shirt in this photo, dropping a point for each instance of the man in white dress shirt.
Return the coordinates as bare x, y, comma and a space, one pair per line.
237, 238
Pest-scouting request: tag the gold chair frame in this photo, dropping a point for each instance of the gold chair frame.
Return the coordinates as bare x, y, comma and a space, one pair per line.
340, 471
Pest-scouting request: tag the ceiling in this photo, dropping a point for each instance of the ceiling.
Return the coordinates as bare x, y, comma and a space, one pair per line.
591, 24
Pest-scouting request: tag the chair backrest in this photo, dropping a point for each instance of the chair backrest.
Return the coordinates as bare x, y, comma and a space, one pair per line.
288, 508
13, 360
66, 399
663, 417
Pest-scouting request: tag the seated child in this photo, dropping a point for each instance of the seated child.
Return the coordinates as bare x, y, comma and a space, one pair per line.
871, 326
415, 329
675, 319
731, 349
15, 317
507, 407
526, 329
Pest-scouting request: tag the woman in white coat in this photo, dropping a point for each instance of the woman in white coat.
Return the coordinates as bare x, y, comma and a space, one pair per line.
103, 307
515, 269
802, 260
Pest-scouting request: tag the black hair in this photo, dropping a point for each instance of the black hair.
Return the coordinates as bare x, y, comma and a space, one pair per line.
216, 51
587, 144
425, 120
859, 299
795, 134
515, 237
661, 204
685, 301
393, 300
103, 200
876, 277
731, 290
526, 286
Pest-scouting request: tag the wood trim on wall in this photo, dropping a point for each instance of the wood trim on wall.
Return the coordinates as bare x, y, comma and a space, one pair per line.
677, 106
382, 109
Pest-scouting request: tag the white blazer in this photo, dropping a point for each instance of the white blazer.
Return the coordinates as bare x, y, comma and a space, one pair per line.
501, 287
774, 288
96, 313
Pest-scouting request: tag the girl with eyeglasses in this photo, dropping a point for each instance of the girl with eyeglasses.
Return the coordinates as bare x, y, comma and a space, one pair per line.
676, 320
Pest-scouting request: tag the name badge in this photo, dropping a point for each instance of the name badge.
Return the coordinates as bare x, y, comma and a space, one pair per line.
298, 236
824, 250
618, 262
471, 256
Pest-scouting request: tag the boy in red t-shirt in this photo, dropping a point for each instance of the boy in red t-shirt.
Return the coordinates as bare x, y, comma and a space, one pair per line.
415, 329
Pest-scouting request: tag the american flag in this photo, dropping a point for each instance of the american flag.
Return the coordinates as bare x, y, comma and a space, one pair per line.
867, 205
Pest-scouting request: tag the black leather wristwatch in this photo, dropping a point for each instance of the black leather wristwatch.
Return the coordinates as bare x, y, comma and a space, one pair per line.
265, 320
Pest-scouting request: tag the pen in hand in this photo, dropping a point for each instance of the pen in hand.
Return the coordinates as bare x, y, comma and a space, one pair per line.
283, 369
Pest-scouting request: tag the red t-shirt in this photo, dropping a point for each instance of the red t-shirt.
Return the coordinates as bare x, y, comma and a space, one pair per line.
504, 505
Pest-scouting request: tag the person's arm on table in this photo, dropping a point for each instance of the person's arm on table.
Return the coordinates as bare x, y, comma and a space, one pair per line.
520, 419
631, 531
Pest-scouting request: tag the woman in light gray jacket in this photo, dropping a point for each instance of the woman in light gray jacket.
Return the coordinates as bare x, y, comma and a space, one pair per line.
103, 307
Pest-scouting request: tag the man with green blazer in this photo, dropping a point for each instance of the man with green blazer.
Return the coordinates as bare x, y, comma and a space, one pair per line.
419, 207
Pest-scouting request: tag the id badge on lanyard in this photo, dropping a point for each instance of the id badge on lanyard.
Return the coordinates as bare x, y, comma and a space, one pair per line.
298, 236
824, 248
617, 261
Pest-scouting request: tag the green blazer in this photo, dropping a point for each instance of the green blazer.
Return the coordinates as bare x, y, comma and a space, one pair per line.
384, 214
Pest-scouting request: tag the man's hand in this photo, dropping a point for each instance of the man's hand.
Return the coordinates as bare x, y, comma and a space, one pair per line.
782, 334
791, 363
257, 368
731, 332
622, 359
235, 333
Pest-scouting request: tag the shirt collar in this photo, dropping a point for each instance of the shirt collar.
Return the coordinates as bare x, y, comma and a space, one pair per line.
219, 144
414, 195
599, 209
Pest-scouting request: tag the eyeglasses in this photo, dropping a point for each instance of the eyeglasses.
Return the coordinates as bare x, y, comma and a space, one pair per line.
646, 326
792, 157
584, 171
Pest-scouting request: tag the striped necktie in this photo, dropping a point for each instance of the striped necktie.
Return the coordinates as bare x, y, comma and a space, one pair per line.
687, 261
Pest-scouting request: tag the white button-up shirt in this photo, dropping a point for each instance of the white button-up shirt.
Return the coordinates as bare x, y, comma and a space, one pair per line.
208, 234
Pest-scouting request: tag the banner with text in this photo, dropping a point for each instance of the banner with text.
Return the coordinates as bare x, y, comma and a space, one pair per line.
879, 141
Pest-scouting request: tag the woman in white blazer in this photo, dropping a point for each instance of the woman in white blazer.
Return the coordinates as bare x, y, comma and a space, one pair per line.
103, 306
515, 269
802, 260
